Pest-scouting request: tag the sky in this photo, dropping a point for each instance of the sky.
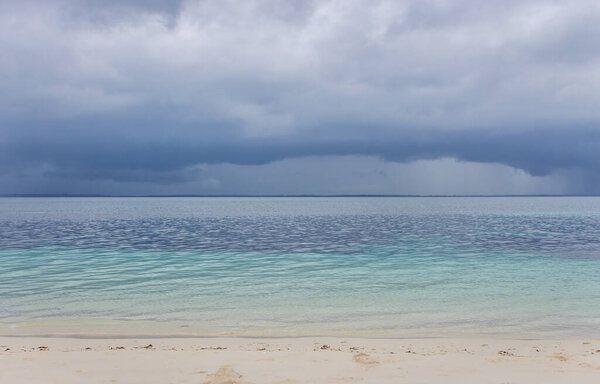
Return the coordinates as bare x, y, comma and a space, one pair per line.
299, 97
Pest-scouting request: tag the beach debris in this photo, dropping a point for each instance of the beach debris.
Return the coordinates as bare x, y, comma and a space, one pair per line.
506, 353
7, 349
149, 346
325, 346
213, 348
42, 348
409, 349
114, 348
88, 348
261, 346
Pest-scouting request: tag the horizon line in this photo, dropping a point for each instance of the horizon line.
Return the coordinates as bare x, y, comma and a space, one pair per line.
67, 195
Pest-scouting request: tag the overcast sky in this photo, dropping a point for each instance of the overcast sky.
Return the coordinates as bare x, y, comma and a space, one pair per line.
296, 97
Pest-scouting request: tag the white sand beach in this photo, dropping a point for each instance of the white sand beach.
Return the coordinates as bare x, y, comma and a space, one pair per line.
297, 360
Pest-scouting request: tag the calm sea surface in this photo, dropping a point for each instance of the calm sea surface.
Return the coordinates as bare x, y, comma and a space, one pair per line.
300, 266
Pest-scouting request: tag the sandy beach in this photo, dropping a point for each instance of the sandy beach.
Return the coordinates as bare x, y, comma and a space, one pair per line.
297, 360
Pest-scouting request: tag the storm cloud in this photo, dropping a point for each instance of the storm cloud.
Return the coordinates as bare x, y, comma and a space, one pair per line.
164, 93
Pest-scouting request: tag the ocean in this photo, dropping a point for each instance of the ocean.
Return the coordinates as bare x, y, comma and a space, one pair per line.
293, 266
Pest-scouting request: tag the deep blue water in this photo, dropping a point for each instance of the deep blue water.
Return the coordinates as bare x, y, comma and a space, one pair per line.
294, 266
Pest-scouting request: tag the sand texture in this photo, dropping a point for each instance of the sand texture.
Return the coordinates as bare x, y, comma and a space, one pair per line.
297, 360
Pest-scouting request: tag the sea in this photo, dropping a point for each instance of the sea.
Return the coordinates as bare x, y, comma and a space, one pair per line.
300, 266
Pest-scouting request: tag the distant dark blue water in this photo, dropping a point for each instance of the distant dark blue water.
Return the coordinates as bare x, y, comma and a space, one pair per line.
295, 266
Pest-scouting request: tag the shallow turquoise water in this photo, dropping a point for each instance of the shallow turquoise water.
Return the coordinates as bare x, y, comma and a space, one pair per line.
299, 266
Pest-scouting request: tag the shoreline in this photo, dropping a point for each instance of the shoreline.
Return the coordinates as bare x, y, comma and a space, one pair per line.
128, 329
466, 337
319, 359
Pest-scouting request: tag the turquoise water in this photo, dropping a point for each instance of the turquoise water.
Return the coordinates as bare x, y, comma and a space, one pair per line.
301, 266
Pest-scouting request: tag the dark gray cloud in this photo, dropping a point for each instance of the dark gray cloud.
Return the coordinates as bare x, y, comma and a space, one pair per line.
148, 91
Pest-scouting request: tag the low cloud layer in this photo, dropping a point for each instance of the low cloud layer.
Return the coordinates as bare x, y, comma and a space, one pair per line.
137, 96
